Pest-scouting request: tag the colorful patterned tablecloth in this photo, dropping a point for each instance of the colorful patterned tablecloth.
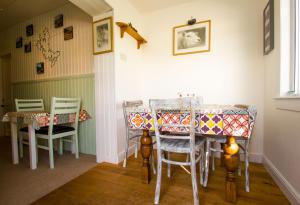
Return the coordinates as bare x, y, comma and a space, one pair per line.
210, 119
42, 118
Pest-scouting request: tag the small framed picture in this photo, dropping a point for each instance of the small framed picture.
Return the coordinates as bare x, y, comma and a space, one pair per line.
27, 47
103, 36
188, 39
19, 42
59, 21
269, 27
40, 68
29, 30
68, 33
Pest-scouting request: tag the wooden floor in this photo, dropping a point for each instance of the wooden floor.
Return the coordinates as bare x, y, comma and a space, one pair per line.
112, 184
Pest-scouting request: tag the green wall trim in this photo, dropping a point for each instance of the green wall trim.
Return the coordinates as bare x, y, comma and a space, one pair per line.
57, 78
79, 86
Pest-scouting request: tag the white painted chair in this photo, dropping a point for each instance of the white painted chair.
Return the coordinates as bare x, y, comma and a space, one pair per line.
133, 134
25, 105
60, 106
243, 143
185, 143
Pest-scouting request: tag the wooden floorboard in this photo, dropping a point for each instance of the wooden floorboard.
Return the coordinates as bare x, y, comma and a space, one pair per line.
113, 184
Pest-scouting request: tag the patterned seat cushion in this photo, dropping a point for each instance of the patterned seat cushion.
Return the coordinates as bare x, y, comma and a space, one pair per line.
180, 145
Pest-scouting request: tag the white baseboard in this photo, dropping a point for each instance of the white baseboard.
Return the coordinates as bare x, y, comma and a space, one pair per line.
290, 192
121, 155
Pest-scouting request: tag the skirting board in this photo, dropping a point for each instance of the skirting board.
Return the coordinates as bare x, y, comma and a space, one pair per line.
121, 155
290, 192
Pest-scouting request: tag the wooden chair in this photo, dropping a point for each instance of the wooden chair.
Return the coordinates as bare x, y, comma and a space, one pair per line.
25, 105
60, 106
133, 134
184, 143
243, 143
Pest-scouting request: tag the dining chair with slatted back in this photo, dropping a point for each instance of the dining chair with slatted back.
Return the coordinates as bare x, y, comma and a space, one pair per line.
61, 106
131, 134
183, 143
26, 105
243, 143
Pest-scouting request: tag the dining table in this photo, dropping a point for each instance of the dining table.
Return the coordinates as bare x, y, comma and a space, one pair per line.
225, 121
35, 120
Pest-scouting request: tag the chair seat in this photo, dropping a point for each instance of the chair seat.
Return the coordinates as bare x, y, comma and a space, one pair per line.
180, 145
57, 129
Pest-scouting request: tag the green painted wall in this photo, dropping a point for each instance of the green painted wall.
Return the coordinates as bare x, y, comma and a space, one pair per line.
79, 86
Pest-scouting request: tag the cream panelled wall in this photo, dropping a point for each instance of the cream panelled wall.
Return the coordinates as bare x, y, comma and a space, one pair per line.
76, 54
72, 75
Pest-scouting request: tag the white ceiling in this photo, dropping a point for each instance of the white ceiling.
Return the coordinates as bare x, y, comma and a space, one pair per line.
152, 5
16, 11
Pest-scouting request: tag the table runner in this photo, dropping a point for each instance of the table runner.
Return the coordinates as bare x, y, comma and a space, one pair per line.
42, 118
210, 119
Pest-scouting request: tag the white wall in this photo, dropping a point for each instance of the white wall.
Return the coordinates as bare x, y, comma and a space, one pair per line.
129, 64
76, 54
232, 73
281, 133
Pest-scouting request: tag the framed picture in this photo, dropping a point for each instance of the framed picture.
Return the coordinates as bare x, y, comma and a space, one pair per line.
29, 30
103, 36
269, 27
68, 33
58, 21
19, 42
40, 68
194, 38
27, 47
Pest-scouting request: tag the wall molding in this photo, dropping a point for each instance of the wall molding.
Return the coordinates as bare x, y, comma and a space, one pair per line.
289, 191
56, 78
121, 155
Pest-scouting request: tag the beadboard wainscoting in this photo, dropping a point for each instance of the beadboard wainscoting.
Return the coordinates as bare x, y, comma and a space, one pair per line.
73, 86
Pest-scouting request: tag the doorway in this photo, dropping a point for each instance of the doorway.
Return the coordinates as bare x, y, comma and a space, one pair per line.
5, 92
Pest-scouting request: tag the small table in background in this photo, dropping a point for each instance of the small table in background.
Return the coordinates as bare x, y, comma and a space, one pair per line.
35, 120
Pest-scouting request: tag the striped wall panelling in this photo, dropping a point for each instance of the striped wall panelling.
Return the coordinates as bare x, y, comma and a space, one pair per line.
77, 86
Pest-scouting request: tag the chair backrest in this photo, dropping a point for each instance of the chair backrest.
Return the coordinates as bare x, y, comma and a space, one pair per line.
177, 106
64, 106
23, 105
127, 105
252, 117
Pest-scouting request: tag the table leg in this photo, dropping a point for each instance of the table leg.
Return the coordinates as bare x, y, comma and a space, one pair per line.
14, 142
32, 147
146, 150
231, 156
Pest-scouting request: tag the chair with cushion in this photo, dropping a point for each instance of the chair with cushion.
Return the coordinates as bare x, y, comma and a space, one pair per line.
243, 143
133, 135
26, 105
61, 106
173, 142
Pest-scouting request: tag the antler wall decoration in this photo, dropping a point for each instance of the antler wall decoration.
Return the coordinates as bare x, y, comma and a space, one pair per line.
43, 44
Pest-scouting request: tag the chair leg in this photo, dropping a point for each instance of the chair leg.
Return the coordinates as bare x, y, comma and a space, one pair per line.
213, 157
247, 169
21, 145
126, 152
169, 166
37, 150
61, 145
136, 149
51, 158
194, 179
158, 179
75, 137
153, 162
201, 164
206, 163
